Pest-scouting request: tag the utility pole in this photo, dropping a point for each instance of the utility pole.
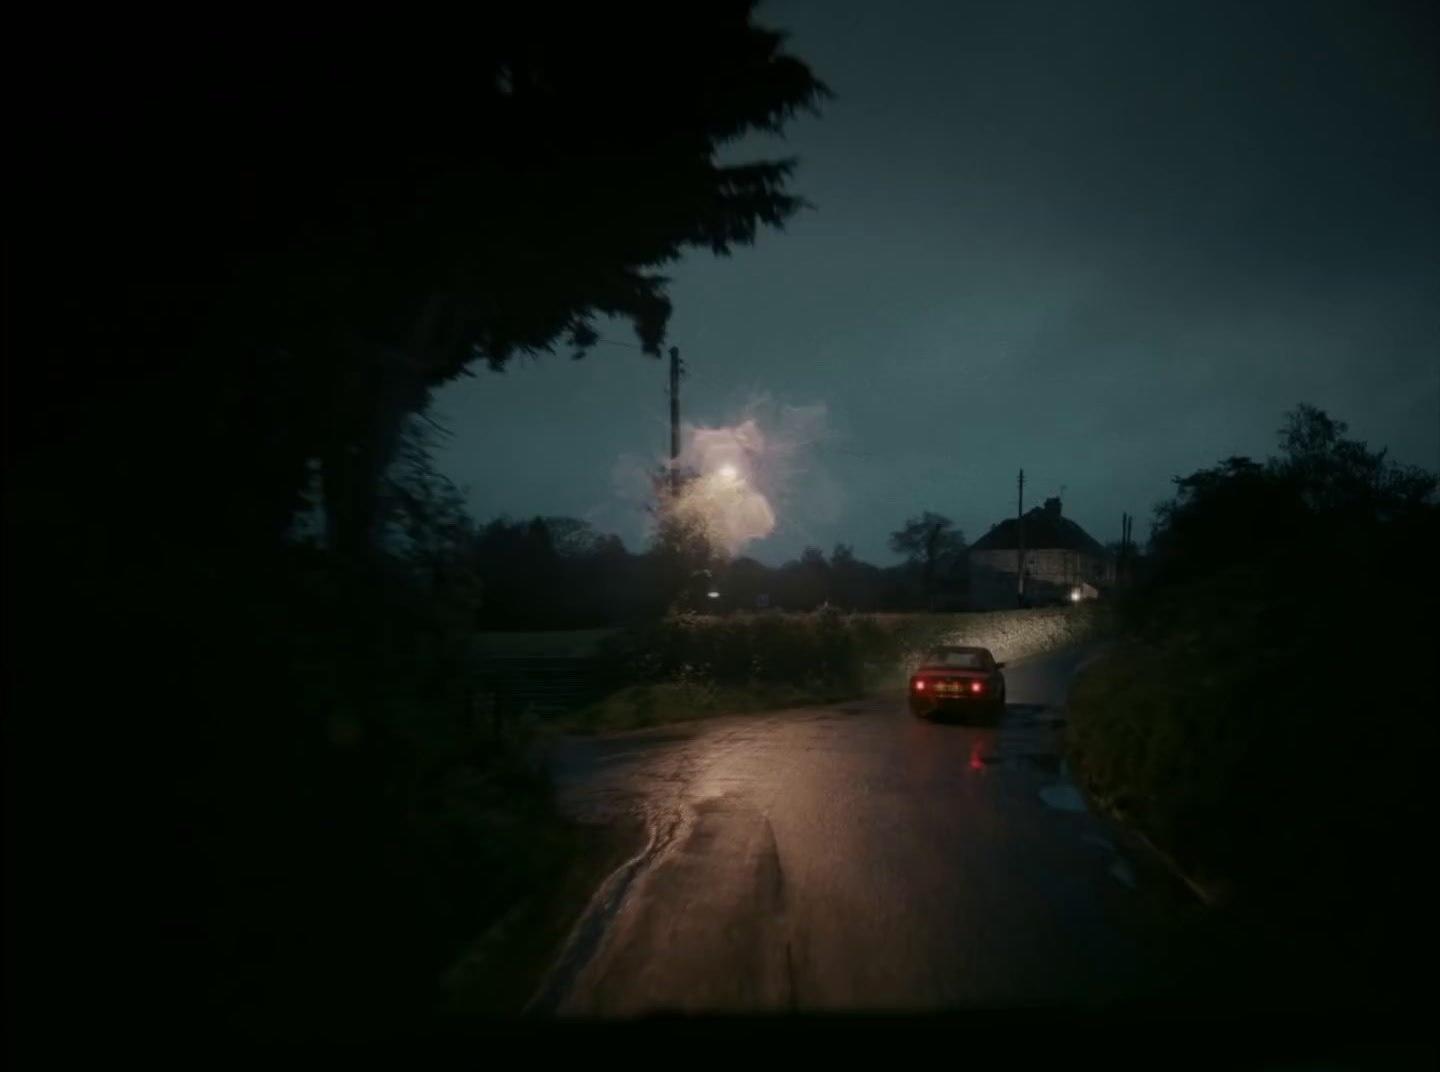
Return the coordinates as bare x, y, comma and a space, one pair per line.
1122, 566
1020, 553
1071, 572
1120, 558
674, 422
1129, 546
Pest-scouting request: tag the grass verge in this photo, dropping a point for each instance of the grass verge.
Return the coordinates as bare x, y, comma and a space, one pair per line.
641, 706
1248, 781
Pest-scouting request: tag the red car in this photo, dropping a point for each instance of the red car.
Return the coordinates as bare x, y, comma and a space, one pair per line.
957, 680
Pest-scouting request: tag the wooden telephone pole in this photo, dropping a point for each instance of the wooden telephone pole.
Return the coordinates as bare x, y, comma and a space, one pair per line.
1123, 565
674, 421
1020, 553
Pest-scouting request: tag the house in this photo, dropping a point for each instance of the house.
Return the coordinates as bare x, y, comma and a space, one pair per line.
1063, 563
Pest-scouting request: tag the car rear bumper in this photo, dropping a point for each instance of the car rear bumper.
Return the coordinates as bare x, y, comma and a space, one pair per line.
953, 703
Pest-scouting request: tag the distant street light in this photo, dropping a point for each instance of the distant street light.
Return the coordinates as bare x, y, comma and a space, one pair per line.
713, 595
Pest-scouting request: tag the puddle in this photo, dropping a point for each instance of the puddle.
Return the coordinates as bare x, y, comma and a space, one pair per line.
1063, 797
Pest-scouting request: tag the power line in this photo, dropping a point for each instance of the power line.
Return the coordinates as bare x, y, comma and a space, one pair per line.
626, 345
446, 432
674, 421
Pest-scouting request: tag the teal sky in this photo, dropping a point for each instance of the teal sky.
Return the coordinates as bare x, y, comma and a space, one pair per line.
1110, 243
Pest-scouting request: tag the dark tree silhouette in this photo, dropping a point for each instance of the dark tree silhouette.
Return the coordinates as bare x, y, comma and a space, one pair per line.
572, 537
855, 585
234, 268
279, 267
805, 582
1321, 501
1282, 604
932, 542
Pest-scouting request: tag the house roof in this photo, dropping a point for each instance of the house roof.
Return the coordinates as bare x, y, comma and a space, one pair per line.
1045, 530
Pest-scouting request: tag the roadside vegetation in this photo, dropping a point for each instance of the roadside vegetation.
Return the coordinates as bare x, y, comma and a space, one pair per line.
691, 666
273, 768
1266, 714
249, 780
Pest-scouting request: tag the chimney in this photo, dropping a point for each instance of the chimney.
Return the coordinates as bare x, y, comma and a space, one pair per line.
1052, 507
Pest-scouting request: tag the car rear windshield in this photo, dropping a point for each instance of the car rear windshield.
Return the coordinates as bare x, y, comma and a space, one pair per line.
959, 660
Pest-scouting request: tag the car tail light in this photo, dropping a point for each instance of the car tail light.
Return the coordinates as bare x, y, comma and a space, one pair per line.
920, 684
976, 686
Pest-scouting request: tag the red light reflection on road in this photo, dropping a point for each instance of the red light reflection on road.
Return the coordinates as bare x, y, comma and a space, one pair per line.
976, 763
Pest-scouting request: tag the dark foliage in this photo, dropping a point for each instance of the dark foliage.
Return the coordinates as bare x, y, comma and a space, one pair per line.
1268, 715
247, 777
559, 573
277, 269
934, 548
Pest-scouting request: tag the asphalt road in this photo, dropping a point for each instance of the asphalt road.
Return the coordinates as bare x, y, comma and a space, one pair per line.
855, 857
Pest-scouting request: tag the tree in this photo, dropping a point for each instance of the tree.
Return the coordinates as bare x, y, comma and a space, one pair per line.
1325, 525
808, 579
1321, 500
931, 542
1237, 510
572, 537
428, 521
743, 581
685, 559
1343, 476
286, 268
1282, 601
520, 571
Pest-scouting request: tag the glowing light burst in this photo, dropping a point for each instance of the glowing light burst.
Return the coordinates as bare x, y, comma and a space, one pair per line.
741, 471
722, 500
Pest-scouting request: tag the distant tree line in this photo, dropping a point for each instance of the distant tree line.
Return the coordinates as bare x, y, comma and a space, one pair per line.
560, 572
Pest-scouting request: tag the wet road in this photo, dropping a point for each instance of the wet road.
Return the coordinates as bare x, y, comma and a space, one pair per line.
855, 857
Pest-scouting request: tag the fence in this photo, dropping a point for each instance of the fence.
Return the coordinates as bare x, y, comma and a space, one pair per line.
541, 684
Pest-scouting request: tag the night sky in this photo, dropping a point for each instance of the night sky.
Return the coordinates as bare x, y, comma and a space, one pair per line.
1110, 243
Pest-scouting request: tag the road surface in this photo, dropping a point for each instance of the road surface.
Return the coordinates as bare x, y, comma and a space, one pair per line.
855, 857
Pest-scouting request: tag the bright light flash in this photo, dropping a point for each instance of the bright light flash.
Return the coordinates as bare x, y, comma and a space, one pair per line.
738, 468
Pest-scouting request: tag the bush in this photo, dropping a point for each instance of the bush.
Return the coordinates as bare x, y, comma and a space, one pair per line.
823, 648
299, 820
1167, 744
360, 824
686, 666
1285, 770
1265, 719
